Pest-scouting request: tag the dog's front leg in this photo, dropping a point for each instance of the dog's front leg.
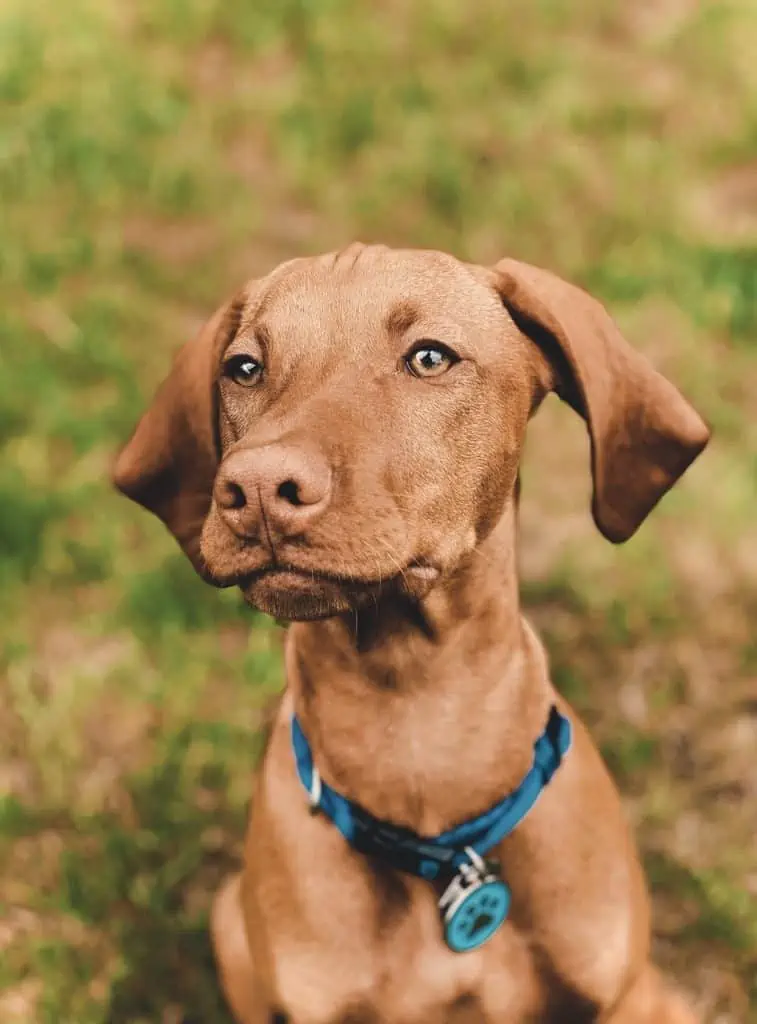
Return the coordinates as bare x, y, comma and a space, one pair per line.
233, 956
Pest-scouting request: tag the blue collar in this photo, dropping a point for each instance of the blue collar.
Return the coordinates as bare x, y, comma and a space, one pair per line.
432, 856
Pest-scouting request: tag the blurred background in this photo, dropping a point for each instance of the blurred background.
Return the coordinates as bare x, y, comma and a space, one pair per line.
153, 155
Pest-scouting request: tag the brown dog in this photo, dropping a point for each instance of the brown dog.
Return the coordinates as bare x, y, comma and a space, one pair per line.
342, 443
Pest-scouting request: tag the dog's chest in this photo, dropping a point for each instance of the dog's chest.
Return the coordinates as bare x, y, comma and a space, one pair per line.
408, 977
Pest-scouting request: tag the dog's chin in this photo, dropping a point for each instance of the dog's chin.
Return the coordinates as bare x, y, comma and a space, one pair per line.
302, 597
294, 597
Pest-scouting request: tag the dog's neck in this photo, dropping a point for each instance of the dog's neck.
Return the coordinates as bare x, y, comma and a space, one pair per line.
426, 714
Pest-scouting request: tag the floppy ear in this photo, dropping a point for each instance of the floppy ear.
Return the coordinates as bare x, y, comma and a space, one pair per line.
170, 463
643, 432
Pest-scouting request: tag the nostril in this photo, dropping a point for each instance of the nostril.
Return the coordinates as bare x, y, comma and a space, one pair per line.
231, 495
290, 491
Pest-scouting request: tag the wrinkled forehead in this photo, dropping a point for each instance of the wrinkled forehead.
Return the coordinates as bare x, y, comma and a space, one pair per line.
364, 293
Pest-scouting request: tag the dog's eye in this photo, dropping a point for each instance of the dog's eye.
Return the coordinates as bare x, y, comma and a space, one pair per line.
430, 360
242, 369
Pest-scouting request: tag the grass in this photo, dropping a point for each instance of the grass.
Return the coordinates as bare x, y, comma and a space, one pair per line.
152, 156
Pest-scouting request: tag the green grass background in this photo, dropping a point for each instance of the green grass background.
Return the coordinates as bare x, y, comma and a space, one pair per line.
154, 154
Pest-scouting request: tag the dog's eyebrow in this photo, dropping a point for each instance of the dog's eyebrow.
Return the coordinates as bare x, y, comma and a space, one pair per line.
252, 328
401, 318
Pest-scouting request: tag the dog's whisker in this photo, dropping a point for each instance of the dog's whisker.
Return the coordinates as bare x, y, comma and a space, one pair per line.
391, 554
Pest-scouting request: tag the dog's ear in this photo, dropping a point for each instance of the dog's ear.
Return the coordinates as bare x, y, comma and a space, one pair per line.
170, 463
643, 432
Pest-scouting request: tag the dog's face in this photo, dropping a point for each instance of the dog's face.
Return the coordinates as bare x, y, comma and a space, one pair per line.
370, 420
350, 426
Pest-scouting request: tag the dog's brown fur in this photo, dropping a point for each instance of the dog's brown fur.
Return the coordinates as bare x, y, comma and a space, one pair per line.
378, 510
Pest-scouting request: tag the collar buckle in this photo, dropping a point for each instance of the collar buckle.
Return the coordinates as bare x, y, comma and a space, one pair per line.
398, 847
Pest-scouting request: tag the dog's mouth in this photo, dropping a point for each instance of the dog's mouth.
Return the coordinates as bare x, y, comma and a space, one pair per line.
293, 573
301, 593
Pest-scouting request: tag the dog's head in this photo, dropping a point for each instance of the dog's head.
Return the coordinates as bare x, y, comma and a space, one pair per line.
352, 423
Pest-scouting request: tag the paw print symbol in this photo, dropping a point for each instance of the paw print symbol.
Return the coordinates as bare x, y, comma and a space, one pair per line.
479, 917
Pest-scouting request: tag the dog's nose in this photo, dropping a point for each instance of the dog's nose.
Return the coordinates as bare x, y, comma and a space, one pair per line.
276, 488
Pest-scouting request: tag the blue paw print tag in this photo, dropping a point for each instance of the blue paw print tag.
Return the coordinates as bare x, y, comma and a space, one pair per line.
473, 906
